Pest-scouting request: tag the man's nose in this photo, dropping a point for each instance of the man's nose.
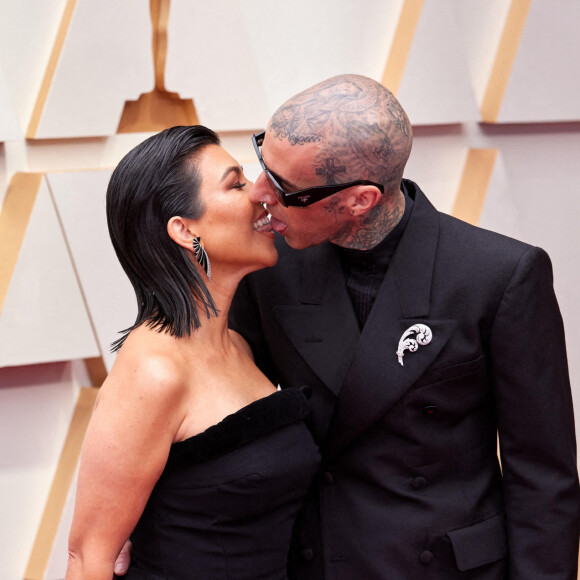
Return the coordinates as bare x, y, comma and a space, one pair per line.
262, 191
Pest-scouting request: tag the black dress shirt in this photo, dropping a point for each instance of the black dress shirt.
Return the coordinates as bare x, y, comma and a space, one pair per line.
364, 270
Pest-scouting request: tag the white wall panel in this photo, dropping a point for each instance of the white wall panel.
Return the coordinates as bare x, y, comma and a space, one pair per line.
44, 316
27, 32
436, 86
106, 60
269, 51
65, 155
500, 212
9, 126
3, 174
36, 405
225, 84
80, 199
436, 164
545, 81
306, 42
479, 26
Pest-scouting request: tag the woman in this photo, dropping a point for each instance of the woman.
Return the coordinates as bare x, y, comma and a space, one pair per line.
191, 451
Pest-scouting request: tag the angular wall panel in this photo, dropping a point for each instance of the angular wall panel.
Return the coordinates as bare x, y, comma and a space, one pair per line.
3, 176
28, 29
58, 558
44, 316
499, 212
9, 127
269, 51
480, 26
436, 165
544, 84
36, 405
80, 199
56, 504
474, 184
105, 59
435, 87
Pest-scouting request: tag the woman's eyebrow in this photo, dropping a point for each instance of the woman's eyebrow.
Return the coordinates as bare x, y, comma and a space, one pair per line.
232, 169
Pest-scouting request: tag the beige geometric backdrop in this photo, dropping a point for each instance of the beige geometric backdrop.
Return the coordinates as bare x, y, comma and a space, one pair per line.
492, 88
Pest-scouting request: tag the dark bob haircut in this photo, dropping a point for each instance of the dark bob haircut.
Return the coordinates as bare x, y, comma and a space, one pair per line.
155, 181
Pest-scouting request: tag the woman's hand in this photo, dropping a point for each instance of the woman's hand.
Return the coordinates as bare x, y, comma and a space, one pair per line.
123, 559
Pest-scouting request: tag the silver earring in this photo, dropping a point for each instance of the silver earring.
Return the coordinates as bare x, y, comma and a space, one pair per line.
201, 255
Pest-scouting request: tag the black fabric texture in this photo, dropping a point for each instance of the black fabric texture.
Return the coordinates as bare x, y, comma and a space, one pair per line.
251, 422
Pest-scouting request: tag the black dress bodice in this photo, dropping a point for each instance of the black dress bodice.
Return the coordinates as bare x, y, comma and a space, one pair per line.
225, 504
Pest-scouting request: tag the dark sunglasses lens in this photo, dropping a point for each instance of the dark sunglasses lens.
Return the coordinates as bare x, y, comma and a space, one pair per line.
276, 188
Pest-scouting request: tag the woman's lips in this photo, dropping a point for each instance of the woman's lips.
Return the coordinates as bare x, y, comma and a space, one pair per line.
263, 225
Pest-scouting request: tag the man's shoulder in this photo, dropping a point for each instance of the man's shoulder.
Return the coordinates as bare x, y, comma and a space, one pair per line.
466, 249
477, 237
461, 237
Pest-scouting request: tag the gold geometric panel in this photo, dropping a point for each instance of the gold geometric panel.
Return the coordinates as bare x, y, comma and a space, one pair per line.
60, 485
404, 34
474, 184
504, 60
158, 109
427, 68
16, 210
51, 68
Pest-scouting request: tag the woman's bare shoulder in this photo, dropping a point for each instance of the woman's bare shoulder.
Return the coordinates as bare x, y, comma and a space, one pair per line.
147, 367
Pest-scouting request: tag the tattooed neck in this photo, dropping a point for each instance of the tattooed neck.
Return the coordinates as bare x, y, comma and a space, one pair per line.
365, 232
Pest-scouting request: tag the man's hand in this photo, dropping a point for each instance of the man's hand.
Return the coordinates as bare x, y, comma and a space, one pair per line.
123, 559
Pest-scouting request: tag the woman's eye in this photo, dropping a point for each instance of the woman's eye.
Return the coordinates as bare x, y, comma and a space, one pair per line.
240, 185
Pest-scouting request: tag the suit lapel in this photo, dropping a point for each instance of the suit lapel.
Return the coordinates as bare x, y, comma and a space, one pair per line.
376, 380
323, 327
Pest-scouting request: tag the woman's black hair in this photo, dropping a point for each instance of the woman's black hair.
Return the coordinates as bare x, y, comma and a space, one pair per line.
155, 181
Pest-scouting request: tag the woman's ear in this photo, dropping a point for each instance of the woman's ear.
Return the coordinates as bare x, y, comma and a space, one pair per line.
181, 232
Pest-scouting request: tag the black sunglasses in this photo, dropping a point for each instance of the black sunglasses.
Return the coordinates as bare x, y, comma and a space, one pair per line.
310, 195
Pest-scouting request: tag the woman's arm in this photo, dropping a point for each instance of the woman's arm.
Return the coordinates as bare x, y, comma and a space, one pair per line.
138, 412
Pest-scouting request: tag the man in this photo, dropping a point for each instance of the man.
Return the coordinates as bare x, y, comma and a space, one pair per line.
422, 339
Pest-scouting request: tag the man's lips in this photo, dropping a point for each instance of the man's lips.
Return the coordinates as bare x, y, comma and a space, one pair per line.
278, 226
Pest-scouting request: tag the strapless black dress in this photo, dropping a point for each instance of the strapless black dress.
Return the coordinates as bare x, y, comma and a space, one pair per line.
225, 504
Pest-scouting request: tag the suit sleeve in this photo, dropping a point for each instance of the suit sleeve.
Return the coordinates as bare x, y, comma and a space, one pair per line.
245, 318
536, 425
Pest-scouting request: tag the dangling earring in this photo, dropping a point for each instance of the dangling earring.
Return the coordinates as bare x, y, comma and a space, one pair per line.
201, 255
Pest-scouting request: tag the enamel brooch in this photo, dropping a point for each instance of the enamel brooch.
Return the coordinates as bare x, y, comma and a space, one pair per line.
407, 342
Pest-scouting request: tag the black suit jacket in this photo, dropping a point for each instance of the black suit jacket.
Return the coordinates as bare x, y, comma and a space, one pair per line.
411, 486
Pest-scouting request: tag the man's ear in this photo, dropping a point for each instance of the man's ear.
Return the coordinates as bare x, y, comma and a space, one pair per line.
364, 198
180, 231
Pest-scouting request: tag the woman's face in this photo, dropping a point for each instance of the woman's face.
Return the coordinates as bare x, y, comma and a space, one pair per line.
235, 232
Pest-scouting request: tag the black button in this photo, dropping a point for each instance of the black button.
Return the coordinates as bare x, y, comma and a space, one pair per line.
328, 477
426, 557
418, 482
308, 554
306, 391
254, 477
431, 410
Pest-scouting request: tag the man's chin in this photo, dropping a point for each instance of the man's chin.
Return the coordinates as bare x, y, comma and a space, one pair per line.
299, 245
